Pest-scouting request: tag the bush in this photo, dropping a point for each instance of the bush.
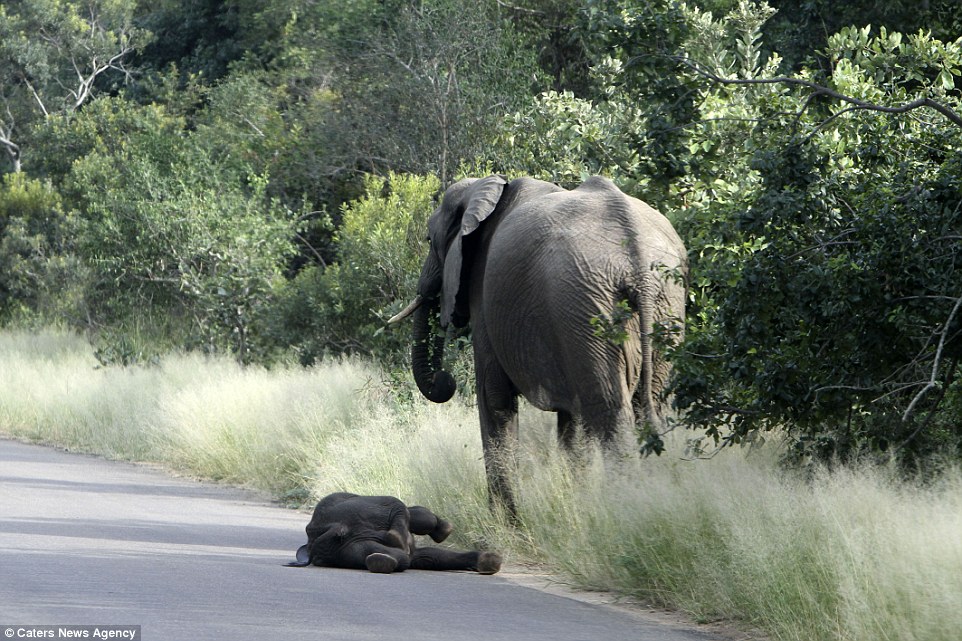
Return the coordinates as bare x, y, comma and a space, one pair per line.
167, 228
342, 308
41, 281
826, 295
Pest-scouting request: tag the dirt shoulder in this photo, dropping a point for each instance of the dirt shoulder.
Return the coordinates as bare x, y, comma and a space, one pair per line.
540, 579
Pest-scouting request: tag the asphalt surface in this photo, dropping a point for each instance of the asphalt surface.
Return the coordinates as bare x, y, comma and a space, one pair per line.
85, 541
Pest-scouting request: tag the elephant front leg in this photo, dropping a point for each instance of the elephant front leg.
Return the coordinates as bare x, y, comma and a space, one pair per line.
498, 412
399, 531
499, 437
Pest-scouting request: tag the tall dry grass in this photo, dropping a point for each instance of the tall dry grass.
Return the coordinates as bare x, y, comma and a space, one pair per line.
851, 554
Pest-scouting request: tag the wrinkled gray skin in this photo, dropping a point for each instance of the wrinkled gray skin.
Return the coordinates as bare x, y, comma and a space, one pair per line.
528, 265
376, 533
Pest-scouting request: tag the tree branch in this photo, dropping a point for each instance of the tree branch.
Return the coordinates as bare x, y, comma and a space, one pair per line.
311, 248
512, 7
36, 95
953, 367
858, 104
12, 147
936, 363
6, 139
87, 83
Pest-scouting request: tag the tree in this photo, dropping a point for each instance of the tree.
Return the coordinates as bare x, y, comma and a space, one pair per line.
54, 55
167, 228
631, 121
34, 259
819, 211
380, 246
802, 29
419, 85
826, 294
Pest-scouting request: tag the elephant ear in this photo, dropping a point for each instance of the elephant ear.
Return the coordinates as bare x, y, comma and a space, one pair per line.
302, 556
479, 202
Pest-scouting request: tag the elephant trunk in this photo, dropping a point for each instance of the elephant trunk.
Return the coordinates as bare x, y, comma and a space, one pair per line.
426, 352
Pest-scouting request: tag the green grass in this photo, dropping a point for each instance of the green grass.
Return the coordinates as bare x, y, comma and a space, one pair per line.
847, 555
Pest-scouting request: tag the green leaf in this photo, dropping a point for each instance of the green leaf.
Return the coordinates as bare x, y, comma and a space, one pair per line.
948, 82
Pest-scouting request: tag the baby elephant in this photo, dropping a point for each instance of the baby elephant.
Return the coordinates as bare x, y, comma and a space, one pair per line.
377, 533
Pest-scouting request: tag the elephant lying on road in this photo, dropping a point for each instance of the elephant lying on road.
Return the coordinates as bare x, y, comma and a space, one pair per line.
377, 533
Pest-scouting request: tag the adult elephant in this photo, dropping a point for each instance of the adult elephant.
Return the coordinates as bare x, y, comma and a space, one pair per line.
565, 292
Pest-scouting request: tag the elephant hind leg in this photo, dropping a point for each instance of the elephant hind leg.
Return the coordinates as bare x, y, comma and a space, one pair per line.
426, 522
488, 563
380, 563
433, 558
612, 423
373, 556
567, 430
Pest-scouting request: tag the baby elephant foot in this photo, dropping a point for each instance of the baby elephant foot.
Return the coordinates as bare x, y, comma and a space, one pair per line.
380, 563
489, 563
441, 531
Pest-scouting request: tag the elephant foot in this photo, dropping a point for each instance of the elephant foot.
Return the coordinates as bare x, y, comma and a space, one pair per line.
489, 563
380, 563
442, 531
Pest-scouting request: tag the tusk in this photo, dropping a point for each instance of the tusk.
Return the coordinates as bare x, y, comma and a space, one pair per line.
407, 311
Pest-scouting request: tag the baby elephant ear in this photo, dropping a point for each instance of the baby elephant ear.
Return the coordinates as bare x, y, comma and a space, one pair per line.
303, 556
481, 200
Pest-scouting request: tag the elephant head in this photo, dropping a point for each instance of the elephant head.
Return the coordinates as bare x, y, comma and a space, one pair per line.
442, 293
323, 543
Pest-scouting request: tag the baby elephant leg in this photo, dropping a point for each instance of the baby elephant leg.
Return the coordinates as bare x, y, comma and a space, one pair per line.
425, 522
399, 534
375, 557
431, 558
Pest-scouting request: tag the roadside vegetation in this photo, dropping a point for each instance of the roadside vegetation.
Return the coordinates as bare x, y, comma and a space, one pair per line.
219, 204
835, 554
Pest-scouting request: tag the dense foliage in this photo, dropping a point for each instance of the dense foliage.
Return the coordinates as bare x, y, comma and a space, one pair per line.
826, 290
252, 179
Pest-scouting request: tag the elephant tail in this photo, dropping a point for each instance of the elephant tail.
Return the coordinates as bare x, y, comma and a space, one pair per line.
659, 299
642, 299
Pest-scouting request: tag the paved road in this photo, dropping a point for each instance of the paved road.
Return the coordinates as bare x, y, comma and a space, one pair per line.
94, 542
